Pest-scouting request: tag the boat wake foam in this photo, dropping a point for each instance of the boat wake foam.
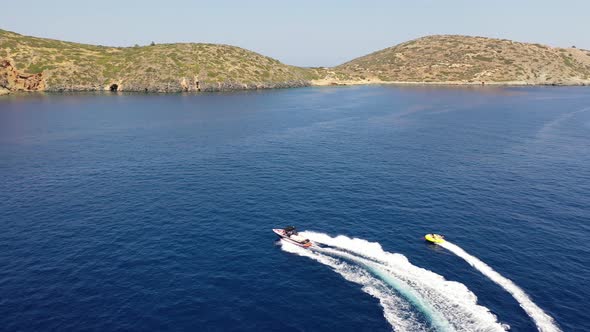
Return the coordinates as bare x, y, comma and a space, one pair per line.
436, 319
544, 322
447, 305
396, 310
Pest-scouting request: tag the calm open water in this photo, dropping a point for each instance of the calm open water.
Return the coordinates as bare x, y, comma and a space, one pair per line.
154, 212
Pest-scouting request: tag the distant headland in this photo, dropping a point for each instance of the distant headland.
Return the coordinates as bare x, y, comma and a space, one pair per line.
39, 64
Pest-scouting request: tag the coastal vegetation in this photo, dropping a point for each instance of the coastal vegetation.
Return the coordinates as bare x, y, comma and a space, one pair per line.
465, 60
67, 66
31, 63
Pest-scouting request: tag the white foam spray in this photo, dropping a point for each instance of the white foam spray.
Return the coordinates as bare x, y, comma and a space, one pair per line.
437, 320
396, 310
457, 304
544, 322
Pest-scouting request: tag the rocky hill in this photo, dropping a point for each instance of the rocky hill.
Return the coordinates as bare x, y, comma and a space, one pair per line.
38, 64
463, 60
64, 66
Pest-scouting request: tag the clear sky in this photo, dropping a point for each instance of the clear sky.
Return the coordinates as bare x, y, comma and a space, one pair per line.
302, 32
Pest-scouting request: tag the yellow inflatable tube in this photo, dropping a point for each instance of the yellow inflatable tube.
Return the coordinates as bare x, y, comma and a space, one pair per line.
434, 238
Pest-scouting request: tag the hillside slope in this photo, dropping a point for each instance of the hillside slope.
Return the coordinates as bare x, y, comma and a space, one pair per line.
39, 64
66, 66
464, 59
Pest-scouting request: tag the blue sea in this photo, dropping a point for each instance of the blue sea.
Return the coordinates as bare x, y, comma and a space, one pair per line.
133, 212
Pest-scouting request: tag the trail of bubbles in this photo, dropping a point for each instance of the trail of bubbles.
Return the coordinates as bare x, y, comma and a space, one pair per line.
544, 322
452, 299
396, 310
439, 322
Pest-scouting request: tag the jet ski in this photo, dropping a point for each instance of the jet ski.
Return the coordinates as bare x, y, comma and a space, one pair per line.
290, 235
434, 238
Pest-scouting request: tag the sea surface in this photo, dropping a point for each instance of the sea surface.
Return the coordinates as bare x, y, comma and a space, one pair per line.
132, 212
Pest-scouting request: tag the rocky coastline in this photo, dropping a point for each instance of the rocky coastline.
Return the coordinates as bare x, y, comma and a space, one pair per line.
30, 64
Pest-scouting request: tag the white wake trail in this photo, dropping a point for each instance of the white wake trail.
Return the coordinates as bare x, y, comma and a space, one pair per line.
437, 320
396, 310
544, 322
452, 299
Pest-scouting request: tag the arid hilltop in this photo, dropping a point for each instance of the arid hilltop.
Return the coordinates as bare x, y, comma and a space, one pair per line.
66, 66
464, 60
39, 64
